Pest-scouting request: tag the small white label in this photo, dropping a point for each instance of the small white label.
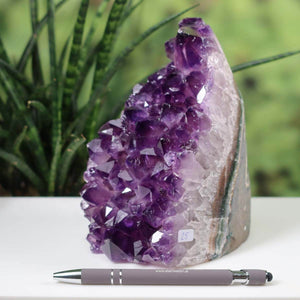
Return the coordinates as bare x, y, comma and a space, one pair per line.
185, 235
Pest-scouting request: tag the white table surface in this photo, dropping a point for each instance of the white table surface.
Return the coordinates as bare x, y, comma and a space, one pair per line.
39, 236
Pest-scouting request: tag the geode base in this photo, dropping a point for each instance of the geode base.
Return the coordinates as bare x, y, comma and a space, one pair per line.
167, 183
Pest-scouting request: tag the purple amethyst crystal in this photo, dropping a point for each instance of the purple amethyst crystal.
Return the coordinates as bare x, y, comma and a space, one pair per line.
167, 183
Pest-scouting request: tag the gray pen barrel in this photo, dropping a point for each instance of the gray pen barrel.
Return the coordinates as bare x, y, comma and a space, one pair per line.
96, 276
156, 277
177, 277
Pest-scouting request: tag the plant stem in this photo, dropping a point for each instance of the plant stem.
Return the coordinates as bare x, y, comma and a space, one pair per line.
37, 73
262, 61
72, 68
56, 101
105, 45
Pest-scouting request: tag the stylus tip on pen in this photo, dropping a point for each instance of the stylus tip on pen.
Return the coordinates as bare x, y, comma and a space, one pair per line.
269, 276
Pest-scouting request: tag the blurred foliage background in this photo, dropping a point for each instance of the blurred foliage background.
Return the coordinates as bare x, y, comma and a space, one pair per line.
247, 30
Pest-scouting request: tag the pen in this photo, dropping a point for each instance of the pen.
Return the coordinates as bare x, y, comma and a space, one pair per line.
163, 277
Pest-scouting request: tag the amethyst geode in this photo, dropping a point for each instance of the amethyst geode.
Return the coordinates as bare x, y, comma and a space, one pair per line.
167, 183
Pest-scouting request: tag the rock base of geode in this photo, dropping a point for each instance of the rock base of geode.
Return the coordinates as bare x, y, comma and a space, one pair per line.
228, 227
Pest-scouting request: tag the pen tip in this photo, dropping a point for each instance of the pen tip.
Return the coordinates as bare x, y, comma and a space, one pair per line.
70, 276
56, 275
269, 276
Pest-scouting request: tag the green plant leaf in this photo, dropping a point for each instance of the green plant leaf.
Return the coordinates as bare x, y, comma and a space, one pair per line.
84, 69
52, 45
62, 57
19, 140
53, 168
72, 67
23, 168
56, 101
262, 61
37, 73
41, 108
93, 26
105, 45
3, 53
71, 127
16, 75
33, 39
36, 145
67, 159
60, 67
